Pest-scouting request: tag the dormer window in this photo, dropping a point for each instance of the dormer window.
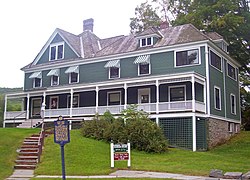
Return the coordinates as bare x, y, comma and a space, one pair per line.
56, 51
146, 42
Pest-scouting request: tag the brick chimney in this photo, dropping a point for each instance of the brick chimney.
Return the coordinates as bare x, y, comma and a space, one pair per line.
88, 25
164, 25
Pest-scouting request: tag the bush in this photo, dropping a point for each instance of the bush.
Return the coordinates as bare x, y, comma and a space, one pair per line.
133, 125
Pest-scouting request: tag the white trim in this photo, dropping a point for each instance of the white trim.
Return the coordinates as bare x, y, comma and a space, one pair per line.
113, 92
231, 107
34, 82
178, 86
70, 80
51, 80
218, 88
56, 55
146, 41
119, 72
208, 103
187, 49
149, 69
194, 131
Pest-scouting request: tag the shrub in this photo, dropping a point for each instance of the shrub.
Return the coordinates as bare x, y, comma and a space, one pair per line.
133, 125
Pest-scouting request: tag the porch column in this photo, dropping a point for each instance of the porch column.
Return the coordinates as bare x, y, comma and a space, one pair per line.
71, 102
28, 106
5, 109
125, 95
96, 99
157, 96
43, 105
205, 96
193, 94
194, 132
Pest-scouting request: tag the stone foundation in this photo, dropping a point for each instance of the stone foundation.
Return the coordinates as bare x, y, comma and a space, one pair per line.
220, 131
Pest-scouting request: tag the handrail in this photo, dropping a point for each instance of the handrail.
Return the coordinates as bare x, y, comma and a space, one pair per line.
41, 142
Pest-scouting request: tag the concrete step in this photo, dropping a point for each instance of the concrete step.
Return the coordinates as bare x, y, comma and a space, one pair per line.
28, 150
28, 153
29, 146
30, 140
25, 162
30, 143
26, 166
27, 157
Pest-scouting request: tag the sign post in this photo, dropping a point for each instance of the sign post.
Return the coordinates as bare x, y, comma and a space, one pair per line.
120, 152
62, 137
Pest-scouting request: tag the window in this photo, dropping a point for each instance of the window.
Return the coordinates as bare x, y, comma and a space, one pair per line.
75, 101
187, 57
54, 80
233, 104
146, 42
143, 69
177, 93
56, 51
114, 98
73, 78
215, 60
114, 72
231, 71
53, 102
217, 98
37, 82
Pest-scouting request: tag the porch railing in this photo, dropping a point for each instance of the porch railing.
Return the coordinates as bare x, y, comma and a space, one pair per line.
116, 109
15, 114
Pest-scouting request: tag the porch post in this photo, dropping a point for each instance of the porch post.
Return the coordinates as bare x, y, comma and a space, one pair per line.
205, 96
5, 110
193, 94
43, 105
194, 132
157, 96
125, 96
28, 106
71, 102
96, 99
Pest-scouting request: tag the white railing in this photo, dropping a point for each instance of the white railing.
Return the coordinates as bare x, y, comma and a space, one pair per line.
86, 111
57, 112
15, 115
149, 107
83, 111
175, 106
113, 109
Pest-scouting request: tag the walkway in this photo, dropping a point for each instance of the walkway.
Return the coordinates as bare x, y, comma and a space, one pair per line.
27, 174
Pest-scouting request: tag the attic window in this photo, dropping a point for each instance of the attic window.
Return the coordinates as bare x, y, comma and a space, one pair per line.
56, 51
146, 42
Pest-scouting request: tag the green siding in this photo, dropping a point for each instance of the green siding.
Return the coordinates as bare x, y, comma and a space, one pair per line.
128, 68
216, 79
68, 52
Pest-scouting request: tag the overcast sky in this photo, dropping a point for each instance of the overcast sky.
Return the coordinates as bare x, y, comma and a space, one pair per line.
26, 25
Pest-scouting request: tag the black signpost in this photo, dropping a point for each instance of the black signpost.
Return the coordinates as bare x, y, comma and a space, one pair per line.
62, 137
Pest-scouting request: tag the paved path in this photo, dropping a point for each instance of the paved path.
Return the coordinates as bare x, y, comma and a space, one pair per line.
27, 174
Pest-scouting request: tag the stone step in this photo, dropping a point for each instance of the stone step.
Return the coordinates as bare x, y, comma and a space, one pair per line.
26, 166
30, 143
28, 150
29, 146
30, 140
27, 157
28, 153
25, 162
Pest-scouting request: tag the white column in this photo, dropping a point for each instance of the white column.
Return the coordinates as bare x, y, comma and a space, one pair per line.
194, 132
193, 94
125, 96
5, 109
43, 106
112, 155
96, 99
157, 96
205, 96
207, 80
71, 102
28, 106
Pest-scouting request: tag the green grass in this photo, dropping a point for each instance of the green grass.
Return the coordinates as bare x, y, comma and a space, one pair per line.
89, 157
10, 140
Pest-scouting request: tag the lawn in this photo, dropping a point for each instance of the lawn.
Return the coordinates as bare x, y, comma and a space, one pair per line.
89, 157
11, 139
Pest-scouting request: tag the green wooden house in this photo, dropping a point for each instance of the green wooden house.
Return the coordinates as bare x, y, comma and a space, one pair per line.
185, 79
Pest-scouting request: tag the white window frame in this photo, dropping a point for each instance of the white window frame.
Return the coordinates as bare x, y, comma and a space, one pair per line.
69, 101
235, 72
51, 81
172, 87
233, 108
189, 49
119, 71
114, 92
216, 87
146, 41
149, 69
34, 83
144, 91
56, 55
57, 103
211, 60
70, 82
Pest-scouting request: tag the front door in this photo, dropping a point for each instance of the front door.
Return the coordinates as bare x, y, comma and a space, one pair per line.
36, 108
